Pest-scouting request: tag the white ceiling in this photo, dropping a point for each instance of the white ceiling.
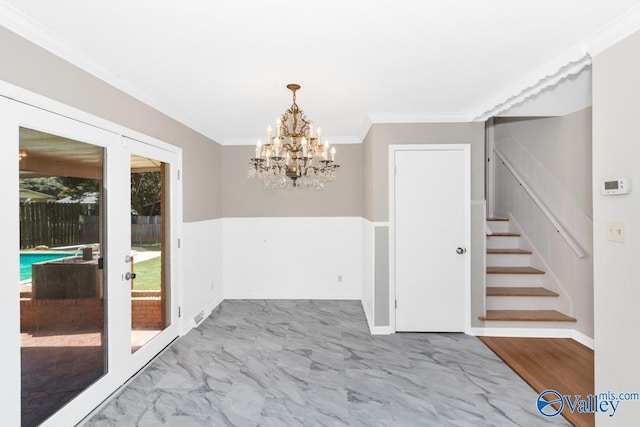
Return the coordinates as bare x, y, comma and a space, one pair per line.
221, 67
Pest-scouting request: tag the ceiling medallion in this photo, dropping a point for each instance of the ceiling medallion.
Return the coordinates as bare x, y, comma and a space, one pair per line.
294, 157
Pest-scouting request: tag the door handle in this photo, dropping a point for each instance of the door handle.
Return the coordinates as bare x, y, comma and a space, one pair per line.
461, 251
129, 276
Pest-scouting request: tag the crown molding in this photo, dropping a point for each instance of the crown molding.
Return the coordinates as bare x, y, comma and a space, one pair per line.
571, 63
613, 32
364, 129
552, 74
24, 26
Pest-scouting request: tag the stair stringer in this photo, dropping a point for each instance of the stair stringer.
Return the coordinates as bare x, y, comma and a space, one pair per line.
549, 279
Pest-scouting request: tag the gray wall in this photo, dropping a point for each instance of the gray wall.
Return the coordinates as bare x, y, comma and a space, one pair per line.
376, 196
243, 197
616, 153
31, 67
376, 152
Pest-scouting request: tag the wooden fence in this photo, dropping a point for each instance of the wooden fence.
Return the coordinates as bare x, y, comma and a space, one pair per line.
64, 224
50, 224
145, 229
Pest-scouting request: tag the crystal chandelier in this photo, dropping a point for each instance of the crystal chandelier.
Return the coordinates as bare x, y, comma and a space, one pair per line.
294, 157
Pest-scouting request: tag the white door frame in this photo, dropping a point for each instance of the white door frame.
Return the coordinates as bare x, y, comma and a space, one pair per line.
173, 159
466, 148
63, 120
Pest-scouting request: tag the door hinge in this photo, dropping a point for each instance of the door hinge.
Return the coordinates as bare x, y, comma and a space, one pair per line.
179, 311
178, 174
178, 243
396, 303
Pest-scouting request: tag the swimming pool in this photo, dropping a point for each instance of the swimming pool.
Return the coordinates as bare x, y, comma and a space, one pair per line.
26, 259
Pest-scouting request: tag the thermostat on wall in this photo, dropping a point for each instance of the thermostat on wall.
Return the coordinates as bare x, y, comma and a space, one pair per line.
616, 186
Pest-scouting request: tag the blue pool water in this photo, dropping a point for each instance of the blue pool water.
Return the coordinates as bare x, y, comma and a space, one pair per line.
27, 259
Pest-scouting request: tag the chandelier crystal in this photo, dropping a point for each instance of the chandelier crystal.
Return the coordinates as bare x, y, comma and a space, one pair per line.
294, 156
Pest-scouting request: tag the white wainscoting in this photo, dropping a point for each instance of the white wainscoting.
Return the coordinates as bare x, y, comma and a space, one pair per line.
292, 258
202, 246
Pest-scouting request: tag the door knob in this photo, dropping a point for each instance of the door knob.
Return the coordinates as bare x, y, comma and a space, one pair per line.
461, 251
129, 276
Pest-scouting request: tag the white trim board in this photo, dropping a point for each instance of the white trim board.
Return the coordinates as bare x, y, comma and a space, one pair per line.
42, 102
382, 330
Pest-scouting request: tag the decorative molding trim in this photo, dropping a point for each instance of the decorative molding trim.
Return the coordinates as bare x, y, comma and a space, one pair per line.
533, 333
444, 117
24, 26
380, 223
364, 130
337, 140
571, 64
613, 32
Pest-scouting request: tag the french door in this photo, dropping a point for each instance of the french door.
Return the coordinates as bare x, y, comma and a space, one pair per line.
74, 324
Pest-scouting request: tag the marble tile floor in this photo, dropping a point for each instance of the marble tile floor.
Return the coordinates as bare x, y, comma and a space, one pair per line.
314, 363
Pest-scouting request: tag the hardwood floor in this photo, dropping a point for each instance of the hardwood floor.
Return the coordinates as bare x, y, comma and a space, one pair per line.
550, 363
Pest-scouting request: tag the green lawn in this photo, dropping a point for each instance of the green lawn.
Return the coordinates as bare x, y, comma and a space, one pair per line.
147, 275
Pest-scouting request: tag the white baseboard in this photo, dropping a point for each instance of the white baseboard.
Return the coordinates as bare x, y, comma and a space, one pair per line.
533, 333
382, 330
375, 330
367, 316
584, 340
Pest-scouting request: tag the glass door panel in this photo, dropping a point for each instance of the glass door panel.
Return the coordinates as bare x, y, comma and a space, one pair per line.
70, 338
62, 282
150, 281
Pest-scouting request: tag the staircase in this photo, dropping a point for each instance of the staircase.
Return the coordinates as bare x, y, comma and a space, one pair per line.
515, 293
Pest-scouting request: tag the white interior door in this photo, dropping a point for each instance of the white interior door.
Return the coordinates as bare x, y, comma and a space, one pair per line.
39, 143
431, 225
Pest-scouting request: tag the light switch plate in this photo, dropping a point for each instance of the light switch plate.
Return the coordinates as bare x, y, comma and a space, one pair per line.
616, 232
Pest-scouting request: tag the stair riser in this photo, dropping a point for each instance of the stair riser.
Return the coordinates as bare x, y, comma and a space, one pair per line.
528, 325
508, 260
522, 303
517, 280
503, 242
498, 226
